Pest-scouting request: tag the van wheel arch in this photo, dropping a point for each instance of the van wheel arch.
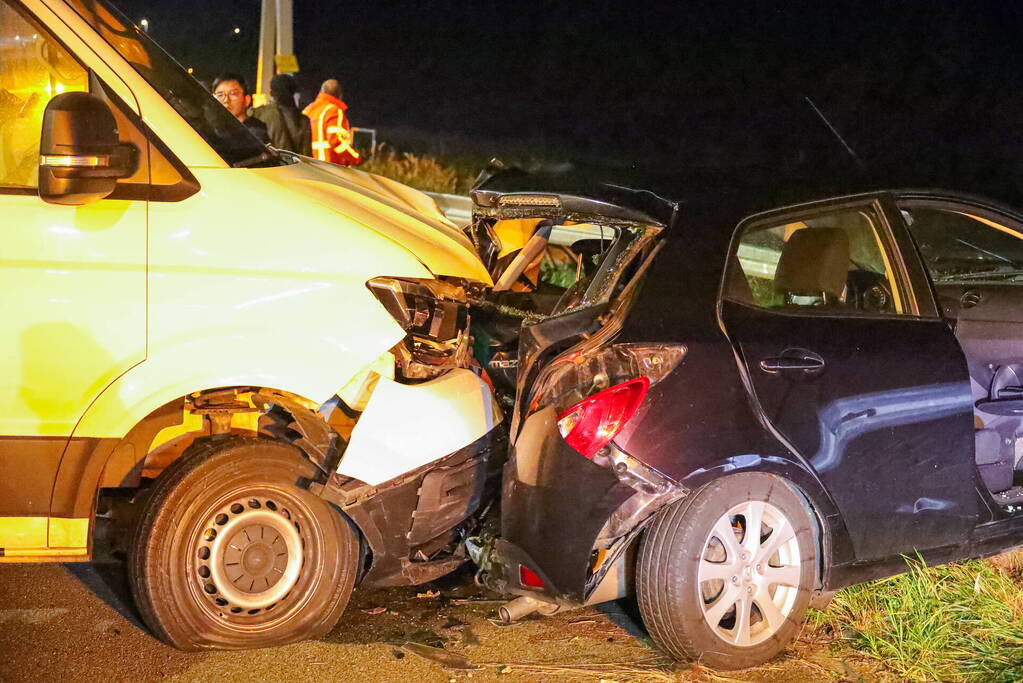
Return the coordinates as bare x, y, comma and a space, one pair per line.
119, 463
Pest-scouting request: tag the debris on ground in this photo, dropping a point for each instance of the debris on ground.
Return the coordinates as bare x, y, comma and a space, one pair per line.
428, 594
469, 636
449, 660
452, 622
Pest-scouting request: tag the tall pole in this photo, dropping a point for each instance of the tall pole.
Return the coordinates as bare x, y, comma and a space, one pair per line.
267, 45
285, 45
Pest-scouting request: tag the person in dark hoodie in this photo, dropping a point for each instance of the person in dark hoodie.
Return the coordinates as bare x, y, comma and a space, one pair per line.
287, 127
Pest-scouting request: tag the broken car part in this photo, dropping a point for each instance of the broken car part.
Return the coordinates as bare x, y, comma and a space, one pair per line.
435, 315
525, 605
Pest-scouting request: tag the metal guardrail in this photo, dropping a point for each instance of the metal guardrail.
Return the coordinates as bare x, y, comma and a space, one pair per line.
365, 139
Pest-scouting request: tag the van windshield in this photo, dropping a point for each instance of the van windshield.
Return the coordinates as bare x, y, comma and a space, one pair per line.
217, 126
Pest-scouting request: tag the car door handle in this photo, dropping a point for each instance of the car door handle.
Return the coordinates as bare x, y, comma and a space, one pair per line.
805, 362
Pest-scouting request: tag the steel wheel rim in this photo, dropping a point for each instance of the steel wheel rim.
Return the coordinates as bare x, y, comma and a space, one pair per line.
748, 582
249, 555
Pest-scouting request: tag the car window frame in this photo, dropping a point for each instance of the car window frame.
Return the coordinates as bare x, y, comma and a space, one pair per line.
975, 206
892, 234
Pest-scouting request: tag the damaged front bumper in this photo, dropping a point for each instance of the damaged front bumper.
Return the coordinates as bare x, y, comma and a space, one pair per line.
421, 446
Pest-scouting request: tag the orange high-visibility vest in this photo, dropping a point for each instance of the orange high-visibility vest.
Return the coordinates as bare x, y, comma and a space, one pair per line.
332, 132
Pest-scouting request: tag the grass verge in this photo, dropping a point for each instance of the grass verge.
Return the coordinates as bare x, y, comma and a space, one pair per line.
421, 172
959, 622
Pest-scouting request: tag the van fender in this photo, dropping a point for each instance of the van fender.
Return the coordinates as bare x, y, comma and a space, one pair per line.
302, 365
123, 420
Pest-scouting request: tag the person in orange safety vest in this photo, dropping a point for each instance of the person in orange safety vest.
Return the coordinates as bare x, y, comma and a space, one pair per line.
332, 132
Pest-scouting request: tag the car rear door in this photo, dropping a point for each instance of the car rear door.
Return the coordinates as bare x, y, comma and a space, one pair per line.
849, 363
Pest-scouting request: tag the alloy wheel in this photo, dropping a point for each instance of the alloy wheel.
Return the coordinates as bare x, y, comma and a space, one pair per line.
749, 573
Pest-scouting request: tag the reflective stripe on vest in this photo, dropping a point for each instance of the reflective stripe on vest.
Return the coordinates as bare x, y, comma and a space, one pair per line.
321, 145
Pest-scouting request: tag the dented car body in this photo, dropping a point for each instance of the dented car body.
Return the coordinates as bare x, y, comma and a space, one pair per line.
839, 375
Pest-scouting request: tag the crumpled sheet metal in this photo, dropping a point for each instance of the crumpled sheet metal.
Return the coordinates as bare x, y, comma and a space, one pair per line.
407, 426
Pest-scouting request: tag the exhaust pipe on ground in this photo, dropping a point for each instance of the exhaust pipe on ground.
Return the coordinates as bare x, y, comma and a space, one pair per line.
523, 606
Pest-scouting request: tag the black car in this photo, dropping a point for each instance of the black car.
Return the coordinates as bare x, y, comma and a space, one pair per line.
737, 407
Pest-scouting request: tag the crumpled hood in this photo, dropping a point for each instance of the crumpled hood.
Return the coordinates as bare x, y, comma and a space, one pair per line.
401, 213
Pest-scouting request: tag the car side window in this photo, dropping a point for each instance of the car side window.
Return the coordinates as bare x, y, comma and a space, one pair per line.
33, 68
963, 246
832, 262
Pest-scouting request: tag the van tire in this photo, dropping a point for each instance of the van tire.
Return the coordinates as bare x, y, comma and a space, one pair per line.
230, 552
680, 550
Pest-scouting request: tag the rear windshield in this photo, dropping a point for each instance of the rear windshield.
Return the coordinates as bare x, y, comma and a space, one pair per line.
217, 126
583, 263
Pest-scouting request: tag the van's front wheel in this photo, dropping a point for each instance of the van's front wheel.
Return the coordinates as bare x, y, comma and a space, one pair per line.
230, 552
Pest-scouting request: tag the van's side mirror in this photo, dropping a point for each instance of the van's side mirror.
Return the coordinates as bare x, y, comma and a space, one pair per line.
80, 156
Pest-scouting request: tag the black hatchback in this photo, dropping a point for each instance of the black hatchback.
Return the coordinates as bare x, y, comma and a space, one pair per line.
735, 408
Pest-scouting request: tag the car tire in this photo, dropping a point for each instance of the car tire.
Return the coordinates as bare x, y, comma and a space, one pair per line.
229, 552
728, 603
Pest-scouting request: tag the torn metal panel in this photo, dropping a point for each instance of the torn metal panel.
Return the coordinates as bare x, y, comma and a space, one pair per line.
414, 524
359, 388
407, 426
314, 436
435, 314
618, 579
589, 510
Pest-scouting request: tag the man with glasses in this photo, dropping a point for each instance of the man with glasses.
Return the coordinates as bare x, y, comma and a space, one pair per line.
233, 93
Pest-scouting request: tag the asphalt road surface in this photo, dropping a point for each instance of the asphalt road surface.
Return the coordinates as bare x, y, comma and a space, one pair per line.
76, 622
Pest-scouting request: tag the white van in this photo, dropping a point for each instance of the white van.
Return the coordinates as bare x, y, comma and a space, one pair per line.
196, 328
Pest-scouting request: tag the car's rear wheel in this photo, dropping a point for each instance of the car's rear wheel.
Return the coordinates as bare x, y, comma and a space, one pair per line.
230, 552
725, 576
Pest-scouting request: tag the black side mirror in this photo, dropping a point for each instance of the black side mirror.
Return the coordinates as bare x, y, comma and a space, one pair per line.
80, 156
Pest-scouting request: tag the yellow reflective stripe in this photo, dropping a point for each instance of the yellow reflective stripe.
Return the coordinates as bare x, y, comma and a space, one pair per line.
321, 145
44, 532
346, 147
69, 532
23, 532
43, 554
337, 130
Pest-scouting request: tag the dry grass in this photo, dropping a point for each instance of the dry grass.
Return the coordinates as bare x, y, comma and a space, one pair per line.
420, 172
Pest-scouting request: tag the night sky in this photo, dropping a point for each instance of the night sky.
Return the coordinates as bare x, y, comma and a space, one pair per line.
924, 91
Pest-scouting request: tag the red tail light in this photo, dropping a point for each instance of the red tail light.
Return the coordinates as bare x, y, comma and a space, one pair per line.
590, 424
527, 577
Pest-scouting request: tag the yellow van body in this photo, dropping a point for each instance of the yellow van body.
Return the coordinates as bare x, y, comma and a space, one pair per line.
256, 278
